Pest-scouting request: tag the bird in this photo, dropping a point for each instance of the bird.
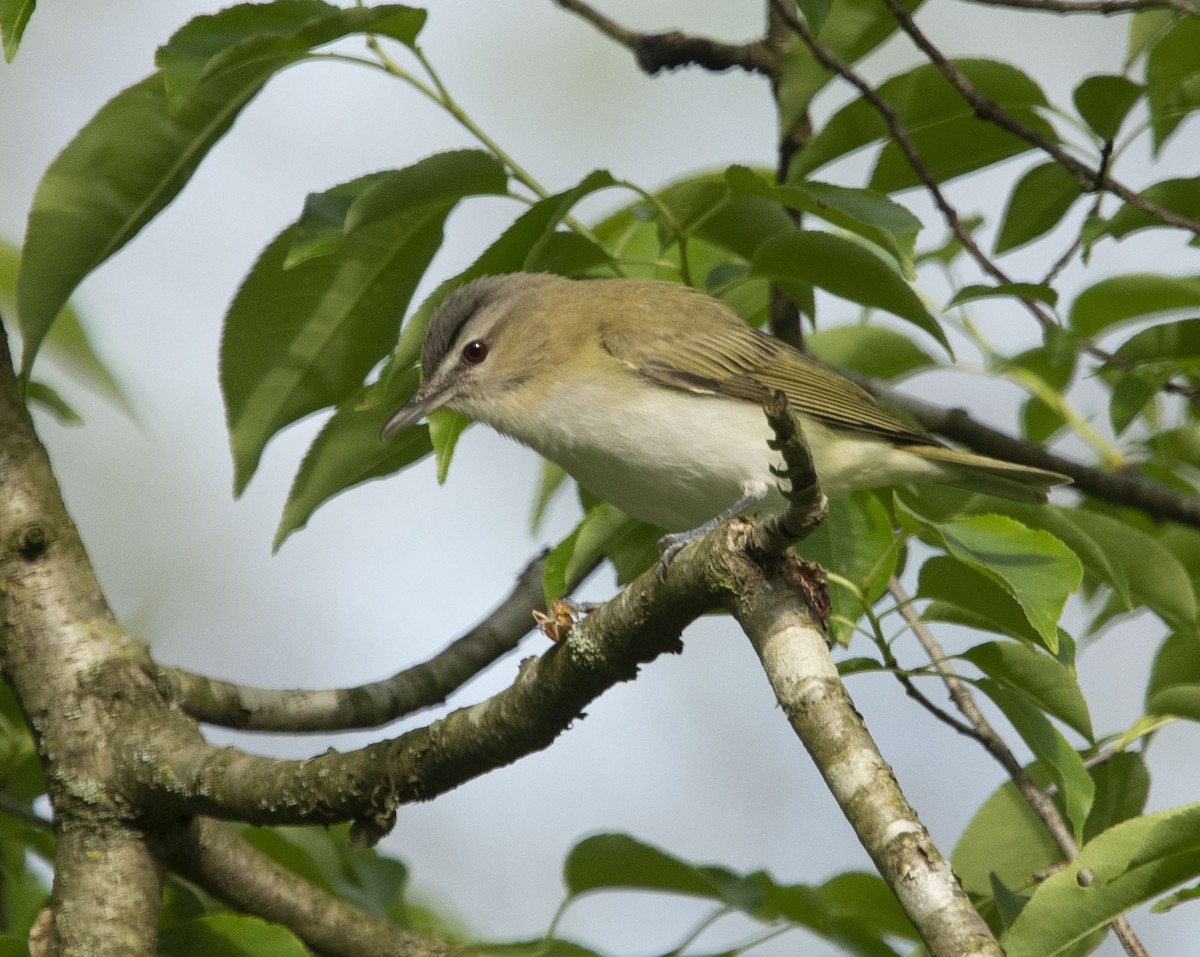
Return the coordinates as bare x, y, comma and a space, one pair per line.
649, 394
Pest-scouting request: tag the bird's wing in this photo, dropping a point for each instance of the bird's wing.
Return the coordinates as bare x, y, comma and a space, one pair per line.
720, 355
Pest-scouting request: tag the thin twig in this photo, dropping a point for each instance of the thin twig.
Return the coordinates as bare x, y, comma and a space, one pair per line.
426, 684
1103, 7
988, 109
900, 136
1038, 800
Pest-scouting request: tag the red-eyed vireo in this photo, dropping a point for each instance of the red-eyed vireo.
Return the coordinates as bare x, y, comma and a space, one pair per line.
650, 395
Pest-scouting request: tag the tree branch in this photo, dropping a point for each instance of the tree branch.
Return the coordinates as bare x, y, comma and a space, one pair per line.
207, 854
1103, 7
795, 656
671, 50
1045, 808
370, 705
1126, 488
987, 109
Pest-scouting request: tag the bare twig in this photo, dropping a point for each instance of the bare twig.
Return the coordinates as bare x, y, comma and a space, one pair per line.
906, 145
672, 49
1103, 7
1043, 806
366, 706
986, 109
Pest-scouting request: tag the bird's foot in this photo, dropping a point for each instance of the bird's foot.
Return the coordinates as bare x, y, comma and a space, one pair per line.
561, 618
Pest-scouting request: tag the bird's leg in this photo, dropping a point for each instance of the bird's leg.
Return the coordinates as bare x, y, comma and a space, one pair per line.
670, 544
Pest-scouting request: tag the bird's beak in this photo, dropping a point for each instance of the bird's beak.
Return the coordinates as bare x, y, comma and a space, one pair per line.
424, 400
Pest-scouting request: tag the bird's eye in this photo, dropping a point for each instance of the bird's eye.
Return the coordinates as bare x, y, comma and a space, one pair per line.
475, 351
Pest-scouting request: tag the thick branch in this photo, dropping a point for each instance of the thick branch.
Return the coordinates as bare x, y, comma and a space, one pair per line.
794, 654
231, 870
986, 735
370, 705
671, 50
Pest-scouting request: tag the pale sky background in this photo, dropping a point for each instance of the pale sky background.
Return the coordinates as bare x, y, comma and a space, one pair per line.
694, 756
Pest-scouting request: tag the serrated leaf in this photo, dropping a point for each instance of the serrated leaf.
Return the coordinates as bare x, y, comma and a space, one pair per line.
1046, 681
1039, 201
962, 595
875, 351
1120, 299
1033, 566
300, 339
1172, 72
1059, 759
1104, 100
348, 451
1157, 579
1039, 292
845, 269
133, 157
14, 17
1064, 908
866, 213
1006, 838
1180, 196
949, 137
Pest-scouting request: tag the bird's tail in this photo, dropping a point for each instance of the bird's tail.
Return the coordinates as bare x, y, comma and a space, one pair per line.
978, 473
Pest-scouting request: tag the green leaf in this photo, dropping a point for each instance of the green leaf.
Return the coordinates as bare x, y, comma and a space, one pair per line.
1005, 838
1120, 875
209, 47
1039, 201
610, 861
1157, 579
1045, 681
1059, 759
1122, 787
68, 343
852, 29
845, 269
1104, 100
875, 351
445, 427
230, 935
1179, 196
815, 12
1132, 393
300, 339
1169, 341
136, 154
949, 137
49, 399
964, 596
1146, 28
14, 16
856, 541
1174, 687
1038, 292
1172, 72
348, 451
605, 531
864, 212
553, 479
1111, 302
1033, 566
